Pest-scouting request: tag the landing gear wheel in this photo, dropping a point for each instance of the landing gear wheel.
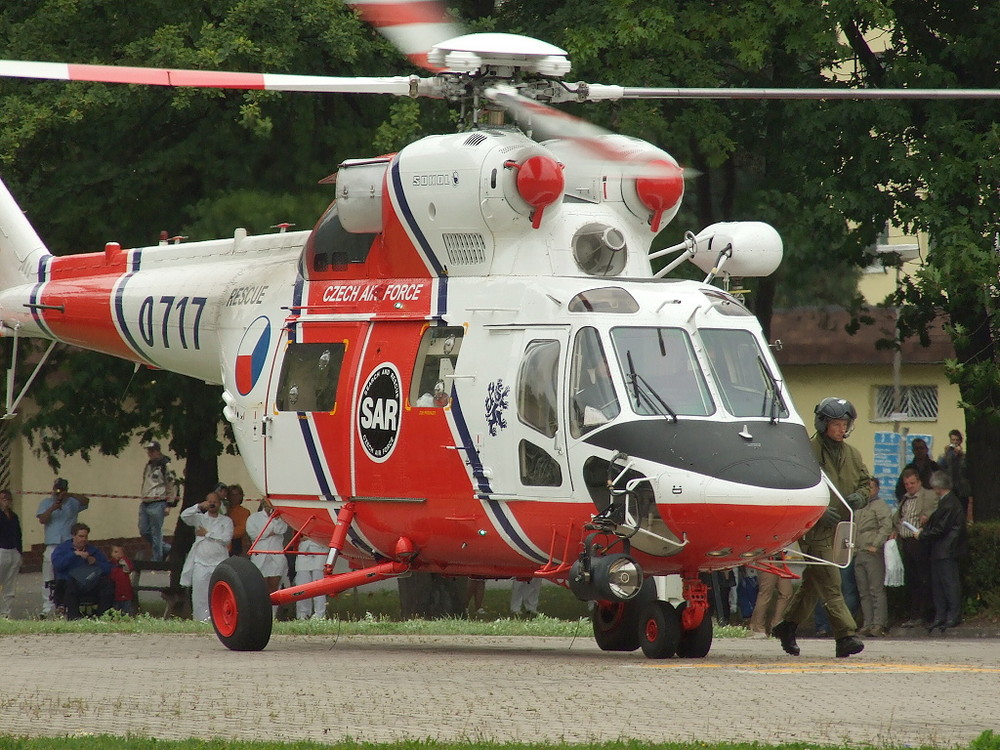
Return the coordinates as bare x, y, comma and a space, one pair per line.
659, 630
616, 625
240, 605
696, 643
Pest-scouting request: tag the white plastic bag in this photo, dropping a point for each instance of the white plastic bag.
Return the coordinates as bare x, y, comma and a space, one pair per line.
893, 564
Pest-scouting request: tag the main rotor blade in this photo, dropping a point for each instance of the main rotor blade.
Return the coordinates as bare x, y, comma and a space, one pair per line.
395, 85
589, 140
597, 92
413, 26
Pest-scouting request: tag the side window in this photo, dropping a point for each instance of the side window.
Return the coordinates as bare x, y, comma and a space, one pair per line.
309, 377
537, 381
537, 467
592, 396
430, 385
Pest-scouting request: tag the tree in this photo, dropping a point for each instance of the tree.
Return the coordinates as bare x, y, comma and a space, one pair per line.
94, 162
938, 166
777, 161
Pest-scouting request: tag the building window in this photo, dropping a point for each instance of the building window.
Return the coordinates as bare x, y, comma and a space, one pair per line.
918, 402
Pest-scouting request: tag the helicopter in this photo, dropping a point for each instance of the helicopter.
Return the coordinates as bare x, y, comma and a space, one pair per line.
469, 366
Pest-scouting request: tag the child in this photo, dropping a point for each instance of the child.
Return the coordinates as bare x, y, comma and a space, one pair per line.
121, 576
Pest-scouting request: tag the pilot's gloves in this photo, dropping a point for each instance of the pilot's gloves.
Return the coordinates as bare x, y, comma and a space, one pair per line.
858, 500
830, 518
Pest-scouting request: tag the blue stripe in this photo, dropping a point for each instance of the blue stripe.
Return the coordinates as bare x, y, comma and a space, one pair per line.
38, 314
313, 453
442, 296
134, 263
471, 452
497, 510
397, 185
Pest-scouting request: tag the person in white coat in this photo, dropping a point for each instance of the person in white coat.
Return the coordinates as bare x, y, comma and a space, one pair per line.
213, 533
308, 568
272, 566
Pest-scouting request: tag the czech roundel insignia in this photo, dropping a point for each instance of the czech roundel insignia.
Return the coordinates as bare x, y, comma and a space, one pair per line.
251, 355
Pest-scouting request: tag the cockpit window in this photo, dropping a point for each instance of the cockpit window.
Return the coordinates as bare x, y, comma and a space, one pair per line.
537, 381
662, 375
747, 385
330, 247
609, 299
593, 401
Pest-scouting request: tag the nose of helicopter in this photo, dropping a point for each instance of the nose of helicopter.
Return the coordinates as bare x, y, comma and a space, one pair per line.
734, 520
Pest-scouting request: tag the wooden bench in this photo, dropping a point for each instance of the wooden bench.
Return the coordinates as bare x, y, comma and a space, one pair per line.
176, 597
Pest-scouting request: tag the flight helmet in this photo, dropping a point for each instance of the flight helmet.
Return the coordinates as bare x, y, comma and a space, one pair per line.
834, 408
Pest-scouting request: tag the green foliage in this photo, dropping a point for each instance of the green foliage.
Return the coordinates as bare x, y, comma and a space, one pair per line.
980, 580
787, 163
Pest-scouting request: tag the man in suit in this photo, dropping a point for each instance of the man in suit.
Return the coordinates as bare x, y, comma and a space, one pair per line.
946, 536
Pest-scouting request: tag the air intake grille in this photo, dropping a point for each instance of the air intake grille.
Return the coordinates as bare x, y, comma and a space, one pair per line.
464, 248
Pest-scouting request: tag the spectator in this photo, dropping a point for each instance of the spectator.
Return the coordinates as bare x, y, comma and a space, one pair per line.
159, 489
267, 549
914, 510
769, 585
82, 571
922, 462
945, 534
11, 547
213, 533
239, 515
308, 568
121, 577
524, 594
872, 529
57, 513
475, 592
952, 462
834, 419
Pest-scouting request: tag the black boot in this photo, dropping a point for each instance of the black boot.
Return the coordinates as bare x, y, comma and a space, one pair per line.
849, 645
784, 631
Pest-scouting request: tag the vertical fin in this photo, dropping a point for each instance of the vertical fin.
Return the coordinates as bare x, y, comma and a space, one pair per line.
21, 249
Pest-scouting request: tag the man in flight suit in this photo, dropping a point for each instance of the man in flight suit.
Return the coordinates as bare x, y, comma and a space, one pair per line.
846, 469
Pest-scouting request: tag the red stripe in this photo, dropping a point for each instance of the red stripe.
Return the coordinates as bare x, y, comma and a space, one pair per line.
216, 79
112, 74
165, 77
399, 14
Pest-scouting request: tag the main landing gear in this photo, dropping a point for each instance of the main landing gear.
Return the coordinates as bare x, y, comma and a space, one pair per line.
240, 604
654, 624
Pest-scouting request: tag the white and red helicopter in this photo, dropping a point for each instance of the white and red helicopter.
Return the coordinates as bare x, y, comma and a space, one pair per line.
468, 366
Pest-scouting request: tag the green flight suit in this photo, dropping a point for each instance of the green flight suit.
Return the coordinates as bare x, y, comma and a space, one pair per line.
846, 469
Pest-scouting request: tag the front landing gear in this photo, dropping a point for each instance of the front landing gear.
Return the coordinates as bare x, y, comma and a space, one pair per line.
696, 621
240, 605
661, 630
659, 620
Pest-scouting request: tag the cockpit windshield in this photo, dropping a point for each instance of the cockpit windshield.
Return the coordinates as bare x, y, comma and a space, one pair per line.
661, 373
743, 378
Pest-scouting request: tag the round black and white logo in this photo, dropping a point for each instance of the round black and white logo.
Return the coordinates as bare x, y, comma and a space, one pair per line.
380, 412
